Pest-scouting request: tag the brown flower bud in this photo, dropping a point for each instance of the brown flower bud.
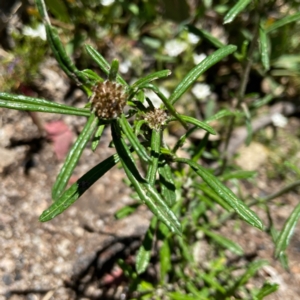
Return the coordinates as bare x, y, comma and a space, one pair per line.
156, 118
108, 100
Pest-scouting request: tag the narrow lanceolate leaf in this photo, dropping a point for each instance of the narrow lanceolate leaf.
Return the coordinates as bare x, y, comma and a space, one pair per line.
78, 188
149, 78
205, 35
194, 74
197, 123
225, 193
285, 235
20, 102
113, 72
144, 253
97, 137
215, 197
102, 63
146, 192
165, 260
73, 157
126, 211
63, 59
267, 289
167, 184
180, 142
235, 10
221, 114
155, 146
59, 10
135, 143
250, 272
283, 21
239, 175
224, 242
58, 50
40, 4
264, 48
93, 76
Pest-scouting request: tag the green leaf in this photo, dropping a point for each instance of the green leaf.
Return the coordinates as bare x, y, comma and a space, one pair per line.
146, 192
73, 157
293, 167
200, 148
59, 10
225, 193
239, 175
194, 74
210, 279
180, 142
165, 260
149, 78
126, 211
97, 137
113, 72
20, 102
235, 10
102, 63
156, 137
78, 188
224, 242
282, 22
167, 185
262, 102
63, 59
180, 296
137, 127
215, 197
40, 4
264, 48
192, 288
197, 123
144, 254
221, 114
92, 75
285, 235
250, 272
206, 35
136, 144
267, 289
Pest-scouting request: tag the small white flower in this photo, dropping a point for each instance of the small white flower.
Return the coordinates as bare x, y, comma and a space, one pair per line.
279, 120
107, 2
201, 91
156, 101
40, 31
125, 66
193, 38
198, 58
175, 47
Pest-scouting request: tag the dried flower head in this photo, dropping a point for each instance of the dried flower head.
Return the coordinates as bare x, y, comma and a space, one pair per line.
108, 100
156, 118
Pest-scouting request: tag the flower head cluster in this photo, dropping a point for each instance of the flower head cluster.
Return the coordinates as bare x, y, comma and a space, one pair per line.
108, 100
156, 118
